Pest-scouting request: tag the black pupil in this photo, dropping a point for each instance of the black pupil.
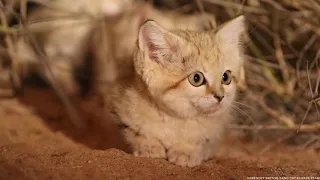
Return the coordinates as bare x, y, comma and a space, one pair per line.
225, 77
196, 78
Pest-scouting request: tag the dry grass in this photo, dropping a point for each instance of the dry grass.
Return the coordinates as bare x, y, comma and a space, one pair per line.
282, 67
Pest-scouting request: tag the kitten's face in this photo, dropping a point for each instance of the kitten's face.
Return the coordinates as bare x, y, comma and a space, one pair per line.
191, 73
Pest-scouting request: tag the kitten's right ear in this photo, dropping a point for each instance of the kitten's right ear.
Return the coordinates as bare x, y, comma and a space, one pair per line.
157, 43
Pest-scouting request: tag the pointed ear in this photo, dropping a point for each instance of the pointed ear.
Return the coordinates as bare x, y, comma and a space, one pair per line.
232, 33
157, 43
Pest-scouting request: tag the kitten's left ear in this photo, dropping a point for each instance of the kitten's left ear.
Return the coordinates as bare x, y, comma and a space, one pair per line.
232, 33
159, 44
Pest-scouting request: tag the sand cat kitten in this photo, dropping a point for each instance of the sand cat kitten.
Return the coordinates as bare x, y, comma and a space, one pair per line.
177, 102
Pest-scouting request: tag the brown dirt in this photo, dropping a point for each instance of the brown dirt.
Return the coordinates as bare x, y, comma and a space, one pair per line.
37, 142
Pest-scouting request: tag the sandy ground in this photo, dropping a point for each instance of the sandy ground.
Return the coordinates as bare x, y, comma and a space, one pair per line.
37, 142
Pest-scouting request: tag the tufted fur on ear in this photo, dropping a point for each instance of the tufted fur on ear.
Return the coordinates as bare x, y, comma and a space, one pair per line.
157, 43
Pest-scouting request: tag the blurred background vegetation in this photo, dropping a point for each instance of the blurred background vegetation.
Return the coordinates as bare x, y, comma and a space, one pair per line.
279, 99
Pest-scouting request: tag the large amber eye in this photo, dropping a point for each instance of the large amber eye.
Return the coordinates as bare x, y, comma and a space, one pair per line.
226, 77
196, 79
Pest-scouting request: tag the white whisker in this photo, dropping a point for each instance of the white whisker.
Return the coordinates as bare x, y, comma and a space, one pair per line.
242, 113
242, 117
243, 104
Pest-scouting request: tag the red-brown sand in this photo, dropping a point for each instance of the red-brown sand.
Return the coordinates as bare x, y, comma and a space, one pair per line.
37, 142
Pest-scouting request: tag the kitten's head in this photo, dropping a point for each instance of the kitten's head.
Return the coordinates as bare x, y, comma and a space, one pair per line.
191, 73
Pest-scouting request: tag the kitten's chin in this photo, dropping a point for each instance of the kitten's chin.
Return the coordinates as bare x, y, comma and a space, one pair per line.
213, 110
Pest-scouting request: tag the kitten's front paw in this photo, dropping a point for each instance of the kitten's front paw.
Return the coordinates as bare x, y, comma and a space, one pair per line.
145, 146
150, 150
185, 155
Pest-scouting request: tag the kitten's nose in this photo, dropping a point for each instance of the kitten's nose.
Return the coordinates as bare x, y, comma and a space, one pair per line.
219, 97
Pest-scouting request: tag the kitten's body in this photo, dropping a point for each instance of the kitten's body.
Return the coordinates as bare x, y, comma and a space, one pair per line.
155, 133
165, 116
